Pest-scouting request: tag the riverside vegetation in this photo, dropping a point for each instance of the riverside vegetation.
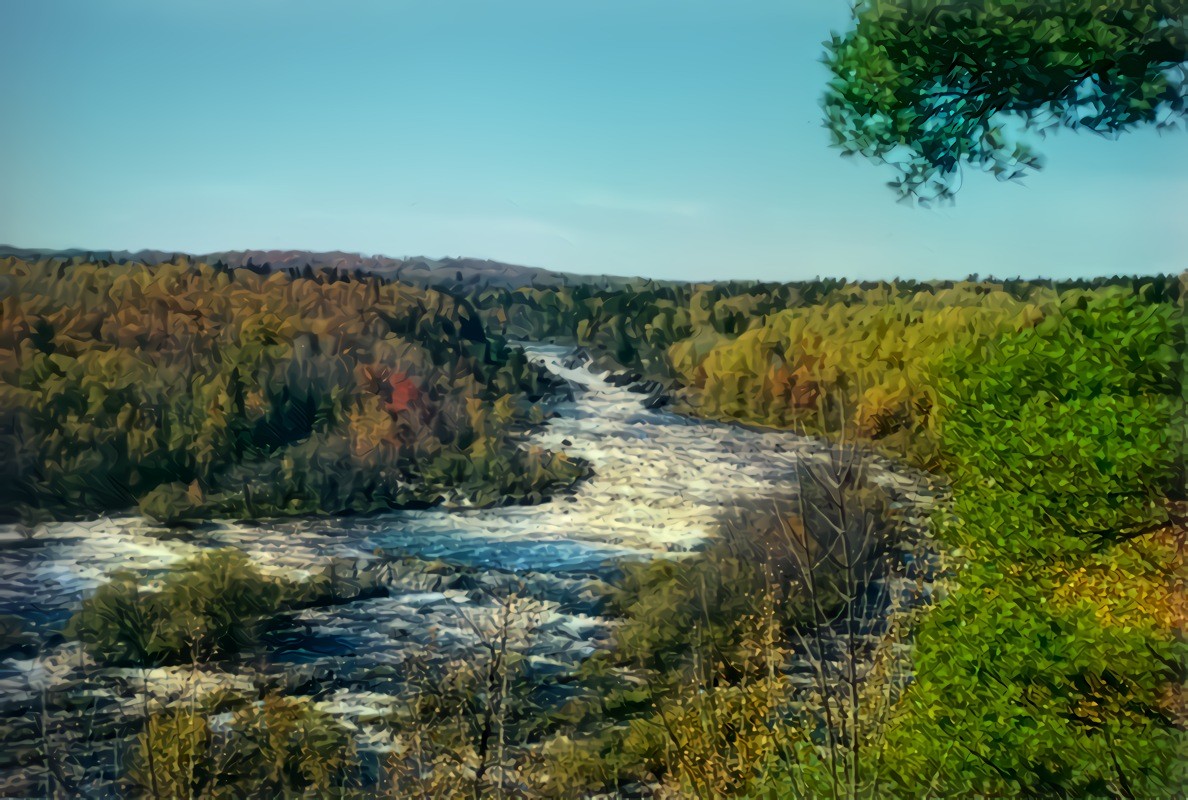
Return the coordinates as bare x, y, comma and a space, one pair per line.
777, 661
197, 391
1030, 644
1053, 663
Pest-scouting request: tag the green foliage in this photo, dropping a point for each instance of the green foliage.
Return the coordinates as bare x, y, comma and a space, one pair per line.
1034, 678
1016, 697
209, 606
174, 504
930, 85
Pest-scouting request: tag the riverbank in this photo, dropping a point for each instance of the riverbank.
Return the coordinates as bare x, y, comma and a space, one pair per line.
660, 485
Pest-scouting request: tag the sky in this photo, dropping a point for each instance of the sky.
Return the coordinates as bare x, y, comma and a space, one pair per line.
675, 139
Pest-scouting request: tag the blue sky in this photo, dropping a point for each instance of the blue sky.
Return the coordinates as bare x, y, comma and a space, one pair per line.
668, 138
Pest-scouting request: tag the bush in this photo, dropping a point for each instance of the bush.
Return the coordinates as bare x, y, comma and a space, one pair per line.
278, 747
210, 606
174, 504
172, 755
286, 745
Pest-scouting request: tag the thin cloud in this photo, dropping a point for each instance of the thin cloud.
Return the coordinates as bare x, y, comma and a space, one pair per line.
626, 204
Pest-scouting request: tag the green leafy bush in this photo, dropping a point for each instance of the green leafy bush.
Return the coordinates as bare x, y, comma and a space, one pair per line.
208, 607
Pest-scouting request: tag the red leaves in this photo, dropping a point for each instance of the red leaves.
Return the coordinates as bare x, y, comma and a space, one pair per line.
402, 393
396, 390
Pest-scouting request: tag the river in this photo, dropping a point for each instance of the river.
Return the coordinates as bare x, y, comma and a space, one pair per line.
660, 482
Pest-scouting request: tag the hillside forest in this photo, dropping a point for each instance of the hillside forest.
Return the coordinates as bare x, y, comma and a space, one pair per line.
1045, 660
282, 524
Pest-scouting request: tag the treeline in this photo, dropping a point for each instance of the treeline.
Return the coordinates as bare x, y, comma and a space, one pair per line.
633, 326
868, 358
864, 360
195, 390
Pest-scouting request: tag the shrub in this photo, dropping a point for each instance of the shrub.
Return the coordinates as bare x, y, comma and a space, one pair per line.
791, 561
278, 747
172, 755
209, 606
173, 504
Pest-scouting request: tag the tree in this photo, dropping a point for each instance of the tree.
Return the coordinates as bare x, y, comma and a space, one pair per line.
928, 86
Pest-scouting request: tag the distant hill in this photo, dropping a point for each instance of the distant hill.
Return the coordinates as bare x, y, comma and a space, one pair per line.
448, 274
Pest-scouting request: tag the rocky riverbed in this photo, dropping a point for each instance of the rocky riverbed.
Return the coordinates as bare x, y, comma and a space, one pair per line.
660, 483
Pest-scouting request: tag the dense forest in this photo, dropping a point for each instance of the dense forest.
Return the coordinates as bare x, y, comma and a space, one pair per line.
291, 524
195, 390
1049, 662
